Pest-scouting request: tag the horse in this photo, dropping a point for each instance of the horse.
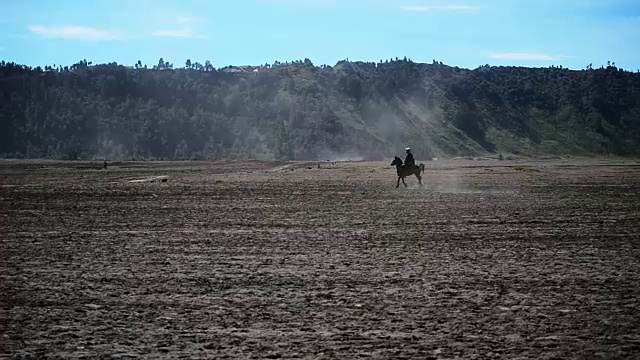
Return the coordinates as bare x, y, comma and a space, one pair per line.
407, 171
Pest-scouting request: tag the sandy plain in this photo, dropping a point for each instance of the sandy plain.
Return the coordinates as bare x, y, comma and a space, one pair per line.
499, 259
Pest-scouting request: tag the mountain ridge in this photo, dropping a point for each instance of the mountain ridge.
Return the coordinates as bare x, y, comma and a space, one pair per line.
298, 111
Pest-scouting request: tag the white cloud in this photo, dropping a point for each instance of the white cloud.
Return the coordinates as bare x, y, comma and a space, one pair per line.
523, 56
181, 33
190, 21
312, 3
75, 32
184, 20
424, 8
183, 28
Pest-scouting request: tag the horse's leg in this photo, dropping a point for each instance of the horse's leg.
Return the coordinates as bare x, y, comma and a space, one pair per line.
405, 184
398, 183
417, 174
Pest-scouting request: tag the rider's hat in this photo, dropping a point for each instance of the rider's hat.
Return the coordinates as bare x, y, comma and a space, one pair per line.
408, 148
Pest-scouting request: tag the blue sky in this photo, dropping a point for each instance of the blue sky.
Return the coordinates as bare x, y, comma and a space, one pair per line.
465, 33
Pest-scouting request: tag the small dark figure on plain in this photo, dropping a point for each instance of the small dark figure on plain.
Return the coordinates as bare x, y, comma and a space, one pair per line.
407, 169
105, 164
408, 160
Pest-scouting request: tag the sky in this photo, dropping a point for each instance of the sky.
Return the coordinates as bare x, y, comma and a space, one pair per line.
464, 33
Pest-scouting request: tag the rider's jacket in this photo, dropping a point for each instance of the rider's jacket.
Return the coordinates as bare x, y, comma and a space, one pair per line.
409, 160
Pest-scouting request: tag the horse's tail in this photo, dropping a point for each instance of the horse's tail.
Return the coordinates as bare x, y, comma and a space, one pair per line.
422, 168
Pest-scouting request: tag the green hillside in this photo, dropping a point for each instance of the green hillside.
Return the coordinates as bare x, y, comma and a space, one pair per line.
305, 112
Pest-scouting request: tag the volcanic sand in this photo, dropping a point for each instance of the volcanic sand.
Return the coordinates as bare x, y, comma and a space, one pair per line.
505, 259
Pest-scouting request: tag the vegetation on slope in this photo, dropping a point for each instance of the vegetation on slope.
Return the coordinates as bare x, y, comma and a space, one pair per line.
301, 111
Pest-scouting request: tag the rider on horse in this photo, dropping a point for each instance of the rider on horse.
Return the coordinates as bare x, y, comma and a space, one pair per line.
409, 161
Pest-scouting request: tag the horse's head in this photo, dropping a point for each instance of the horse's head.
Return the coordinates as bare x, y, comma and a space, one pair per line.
397, 161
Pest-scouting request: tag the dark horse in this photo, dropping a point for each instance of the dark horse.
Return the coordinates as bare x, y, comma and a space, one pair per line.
407, 171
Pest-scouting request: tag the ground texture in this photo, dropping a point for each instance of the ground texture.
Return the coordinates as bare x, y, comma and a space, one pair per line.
298, 260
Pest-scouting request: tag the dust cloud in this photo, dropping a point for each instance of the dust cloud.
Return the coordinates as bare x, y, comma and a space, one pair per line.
343, 156
406, 121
